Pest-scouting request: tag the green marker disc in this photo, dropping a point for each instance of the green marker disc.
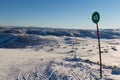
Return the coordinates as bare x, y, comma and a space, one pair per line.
95, 17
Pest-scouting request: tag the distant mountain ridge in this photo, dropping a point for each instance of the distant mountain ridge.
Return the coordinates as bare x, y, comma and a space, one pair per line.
22, 37
104, 33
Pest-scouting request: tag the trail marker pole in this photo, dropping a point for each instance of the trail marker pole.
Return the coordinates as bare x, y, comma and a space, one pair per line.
75, 48
95, 19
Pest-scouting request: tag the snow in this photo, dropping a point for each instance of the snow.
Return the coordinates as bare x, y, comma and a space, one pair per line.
55, 60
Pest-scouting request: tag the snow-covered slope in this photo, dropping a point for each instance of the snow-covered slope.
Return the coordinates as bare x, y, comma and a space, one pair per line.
55, 61
50, 56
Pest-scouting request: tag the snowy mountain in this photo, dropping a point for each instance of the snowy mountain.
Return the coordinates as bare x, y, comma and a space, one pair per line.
21, 37
49, 54
104, 33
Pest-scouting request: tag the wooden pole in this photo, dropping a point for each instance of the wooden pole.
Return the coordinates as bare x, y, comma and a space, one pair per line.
98, 34
75, 47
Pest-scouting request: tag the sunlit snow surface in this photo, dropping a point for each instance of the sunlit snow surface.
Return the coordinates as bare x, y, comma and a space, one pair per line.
53, 59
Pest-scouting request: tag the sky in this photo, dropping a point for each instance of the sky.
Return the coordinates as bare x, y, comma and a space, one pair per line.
73, 14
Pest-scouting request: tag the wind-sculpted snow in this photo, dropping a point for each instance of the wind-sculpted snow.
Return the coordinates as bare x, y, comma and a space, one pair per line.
72, 70
50, 70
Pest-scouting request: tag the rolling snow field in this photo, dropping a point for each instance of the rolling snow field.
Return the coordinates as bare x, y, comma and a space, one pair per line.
53, 59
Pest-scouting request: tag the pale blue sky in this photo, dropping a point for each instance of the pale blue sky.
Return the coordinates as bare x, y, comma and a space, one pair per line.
59, 13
